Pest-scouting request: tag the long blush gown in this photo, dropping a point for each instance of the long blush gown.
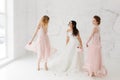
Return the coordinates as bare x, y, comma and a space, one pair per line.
93, 63
41, 46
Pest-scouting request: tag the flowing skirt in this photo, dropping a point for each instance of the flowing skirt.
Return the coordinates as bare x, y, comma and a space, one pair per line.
67, 60
93, 63
41, 46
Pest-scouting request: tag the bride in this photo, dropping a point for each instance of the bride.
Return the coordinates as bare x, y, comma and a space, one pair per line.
69, 59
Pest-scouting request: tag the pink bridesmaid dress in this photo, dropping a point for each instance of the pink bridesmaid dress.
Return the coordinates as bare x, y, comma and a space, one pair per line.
93, 63
41, 46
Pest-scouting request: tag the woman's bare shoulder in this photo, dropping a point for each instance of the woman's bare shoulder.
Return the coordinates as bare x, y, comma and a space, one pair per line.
68, 30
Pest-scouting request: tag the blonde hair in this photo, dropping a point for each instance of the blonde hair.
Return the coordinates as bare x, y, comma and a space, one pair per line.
44, 21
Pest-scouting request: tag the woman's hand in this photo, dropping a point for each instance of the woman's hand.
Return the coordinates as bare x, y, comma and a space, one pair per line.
80, 47
30, 42
86, 44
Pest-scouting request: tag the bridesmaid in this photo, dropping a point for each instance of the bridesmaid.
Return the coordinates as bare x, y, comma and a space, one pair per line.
42, 45
93, 64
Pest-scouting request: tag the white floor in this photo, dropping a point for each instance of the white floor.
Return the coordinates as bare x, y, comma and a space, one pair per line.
25, 69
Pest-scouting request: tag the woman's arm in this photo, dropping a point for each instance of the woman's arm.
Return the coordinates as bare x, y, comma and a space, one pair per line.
93, 32
35, 33
67, 38
80, 41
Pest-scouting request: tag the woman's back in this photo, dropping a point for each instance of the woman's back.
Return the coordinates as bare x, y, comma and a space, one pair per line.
42, 32
96, 36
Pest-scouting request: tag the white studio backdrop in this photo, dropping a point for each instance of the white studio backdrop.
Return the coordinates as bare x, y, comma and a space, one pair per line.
28, 12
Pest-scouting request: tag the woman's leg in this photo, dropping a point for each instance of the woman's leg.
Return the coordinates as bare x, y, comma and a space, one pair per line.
46, 66
39, 60
40, 55
47, 55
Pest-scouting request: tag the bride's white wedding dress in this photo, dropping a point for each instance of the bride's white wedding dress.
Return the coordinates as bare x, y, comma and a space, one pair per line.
70, 59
